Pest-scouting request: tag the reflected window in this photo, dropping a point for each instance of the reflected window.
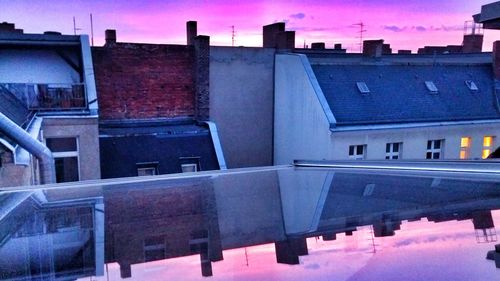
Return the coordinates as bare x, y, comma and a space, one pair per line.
357, 152
190, 164
65, 152
434, 149
147, 169
465, 143
487, 146
393, 150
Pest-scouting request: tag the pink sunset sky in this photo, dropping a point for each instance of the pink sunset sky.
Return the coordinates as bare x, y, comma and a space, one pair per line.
404, 24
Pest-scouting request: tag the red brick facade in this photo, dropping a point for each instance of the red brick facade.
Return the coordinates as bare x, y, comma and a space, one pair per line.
143, 81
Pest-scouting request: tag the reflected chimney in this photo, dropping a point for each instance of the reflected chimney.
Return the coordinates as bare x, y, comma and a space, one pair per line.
110, 36
192, 31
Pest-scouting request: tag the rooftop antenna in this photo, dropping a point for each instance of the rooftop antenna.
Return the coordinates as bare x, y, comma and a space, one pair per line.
360, 32
91, 30
233, 35
74, 26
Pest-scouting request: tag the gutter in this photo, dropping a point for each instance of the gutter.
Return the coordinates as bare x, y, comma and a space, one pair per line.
32, 145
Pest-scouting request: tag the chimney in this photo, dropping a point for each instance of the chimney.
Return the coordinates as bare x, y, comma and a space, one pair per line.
9, 27
285, 40
373, 48
202, 63
473, 43
110, 35
192, 31
496, 59
318, 46
337, 46
386, 49
270, 32
404, 52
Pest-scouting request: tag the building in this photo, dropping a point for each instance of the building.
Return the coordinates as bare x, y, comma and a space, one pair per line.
154, 116
392, 106
48, 108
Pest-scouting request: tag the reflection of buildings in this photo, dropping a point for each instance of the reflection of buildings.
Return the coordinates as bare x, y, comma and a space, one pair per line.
44, 238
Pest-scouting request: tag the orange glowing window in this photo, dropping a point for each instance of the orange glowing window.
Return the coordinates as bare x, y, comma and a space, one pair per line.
465, 147
487, 146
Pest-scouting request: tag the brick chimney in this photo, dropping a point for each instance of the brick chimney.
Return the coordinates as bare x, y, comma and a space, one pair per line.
373, 48
496, 59
192, 31
202, 64
110, 36
473, 43
318, 45
285, 40
270, 33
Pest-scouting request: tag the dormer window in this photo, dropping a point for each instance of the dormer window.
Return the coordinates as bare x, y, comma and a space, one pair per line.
362, 87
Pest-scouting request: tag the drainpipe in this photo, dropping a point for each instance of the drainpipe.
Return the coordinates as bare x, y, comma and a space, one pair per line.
33, 146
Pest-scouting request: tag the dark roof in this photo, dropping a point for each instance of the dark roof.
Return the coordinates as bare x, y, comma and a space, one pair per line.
166, 146
13, 108
398, 93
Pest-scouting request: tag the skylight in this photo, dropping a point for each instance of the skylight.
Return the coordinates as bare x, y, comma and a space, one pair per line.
362, 87
471, 85
431, 86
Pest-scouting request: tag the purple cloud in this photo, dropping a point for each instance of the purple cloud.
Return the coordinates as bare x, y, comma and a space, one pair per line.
298, 16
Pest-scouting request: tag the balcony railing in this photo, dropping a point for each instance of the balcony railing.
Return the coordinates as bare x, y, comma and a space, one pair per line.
49, 96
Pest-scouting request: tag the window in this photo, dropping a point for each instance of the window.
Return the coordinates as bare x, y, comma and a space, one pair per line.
434, 149
190, 164
431, 87
147, 169
465, 147
487, 146
357, 152
65, 152
471, 85
393, 150
362, 87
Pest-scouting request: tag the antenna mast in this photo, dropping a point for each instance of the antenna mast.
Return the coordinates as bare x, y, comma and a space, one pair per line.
74, 26
233, 35
360, 32
91, 30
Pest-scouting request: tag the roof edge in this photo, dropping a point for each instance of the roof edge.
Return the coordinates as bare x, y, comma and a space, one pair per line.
214, 134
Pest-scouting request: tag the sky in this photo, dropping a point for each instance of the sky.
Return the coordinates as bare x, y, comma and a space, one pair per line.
405, 24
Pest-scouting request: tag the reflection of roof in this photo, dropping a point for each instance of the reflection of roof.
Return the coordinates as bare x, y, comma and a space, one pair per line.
398, 93
15, 110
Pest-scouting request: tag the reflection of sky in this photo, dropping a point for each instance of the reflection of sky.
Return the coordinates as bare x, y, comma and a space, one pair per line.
419, 251
404, 24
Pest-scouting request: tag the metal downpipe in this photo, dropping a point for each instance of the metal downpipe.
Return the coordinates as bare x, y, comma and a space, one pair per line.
33, 146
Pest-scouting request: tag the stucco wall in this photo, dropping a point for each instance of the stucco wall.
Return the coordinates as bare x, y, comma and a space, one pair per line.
86, 130
301, 126
36, 66
414, 141
241, 103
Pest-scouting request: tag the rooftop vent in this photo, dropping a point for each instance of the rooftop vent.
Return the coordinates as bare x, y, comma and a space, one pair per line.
431, 87
471, 85
362, 87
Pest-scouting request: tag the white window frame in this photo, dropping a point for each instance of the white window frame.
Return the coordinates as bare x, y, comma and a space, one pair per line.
355, 155
68, 154
433, 149
391, 153
145, 173
190, 166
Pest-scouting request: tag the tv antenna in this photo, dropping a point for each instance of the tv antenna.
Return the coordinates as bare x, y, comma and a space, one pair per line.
233, 35
361, 31
91, 30
74, 26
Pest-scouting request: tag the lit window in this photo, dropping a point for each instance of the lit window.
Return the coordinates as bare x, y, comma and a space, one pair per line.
487, 146
465, 147
362, 87
65, 152
471, 85
147, 169
431, 87
393, 150
434, 149
357, 152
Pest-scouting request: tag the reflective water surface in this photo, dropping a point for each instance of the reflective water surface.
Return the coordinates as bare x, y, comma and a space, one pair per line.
282, 223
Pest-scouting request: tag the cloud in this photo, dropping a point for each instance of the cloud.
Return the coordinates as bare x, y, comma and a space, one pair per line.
298, 16
420, 28
394, 28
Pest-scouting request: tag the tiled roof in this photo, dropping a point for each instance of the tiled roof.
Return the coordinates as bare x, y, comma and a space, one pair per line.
398, 93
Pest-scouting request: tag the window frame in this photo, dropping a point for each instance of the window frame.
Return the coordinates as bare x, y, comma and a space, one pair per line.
433, 150
145, 166
67, 154
389, 155
464, 153
488, 149
355, 149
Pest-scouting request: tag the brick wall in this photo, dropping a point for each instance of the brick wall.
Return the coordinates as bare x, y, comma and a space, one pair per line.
142, 81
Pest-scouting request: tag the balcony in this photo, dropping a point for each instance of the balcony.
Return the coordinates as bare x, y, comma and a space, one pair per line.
49, 97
